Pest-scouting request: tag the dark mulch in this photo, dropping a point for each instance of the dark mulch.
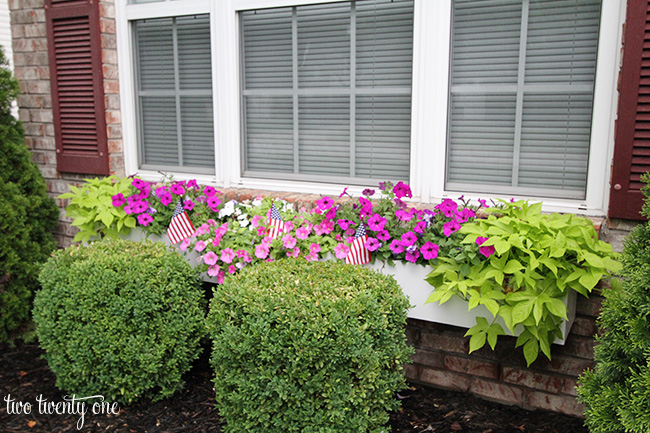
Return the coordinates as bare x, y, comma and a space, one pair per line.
25, 376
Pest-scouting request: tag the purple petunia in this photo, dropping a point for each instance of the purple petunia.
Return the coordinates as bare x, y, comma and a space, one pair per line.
209, 191
166, 199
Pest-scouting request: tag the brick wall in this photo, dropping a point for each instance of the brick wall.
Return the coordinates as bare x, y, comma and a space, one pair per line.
441, 358
30, 48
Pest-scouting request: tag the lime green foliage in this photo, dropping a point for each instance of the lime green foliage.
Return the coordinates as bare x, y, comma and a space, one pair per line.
536, 260
27, 215
308, 347
118, 318
92, 210
615, 393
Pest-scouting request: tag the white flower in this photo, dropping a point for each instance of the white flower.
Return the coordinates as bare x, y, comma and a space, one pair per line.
227, 209
257, 202
287, 206
243, 220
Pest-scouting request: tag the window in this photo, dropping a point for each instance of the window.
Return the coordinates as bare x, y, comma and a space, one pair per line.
174, 90
327, 91
482, 98
522, 86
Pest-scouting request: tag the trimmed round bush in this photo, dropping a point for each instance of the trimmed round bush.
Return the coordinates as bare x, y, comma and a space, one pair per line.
119, 318
28, 215
308, 347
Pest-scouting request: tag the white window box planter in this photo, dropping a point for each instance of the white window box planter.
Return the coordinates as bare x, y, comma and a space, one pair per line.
411, 278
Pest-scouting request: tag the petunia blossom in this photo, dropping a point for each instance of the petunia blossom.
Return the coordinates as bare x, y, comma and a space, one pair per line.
448, 208
294, 252
210, 258
227, 255
200, 246
324, 203
403, 215
161, 191
144, 219
376, 222
372, 244
488, 250
396, 246
188, 205
209, 191
213, 203
409, 238
412, 255
383, 235
191, 184
450, 227
184, 244
303, 232
118, 200
138, 183
288, 241
341, 251
344, 223
261, 251
314, 247
177, 189
402, 190
420, 227
166, 199
213, 271
429, 250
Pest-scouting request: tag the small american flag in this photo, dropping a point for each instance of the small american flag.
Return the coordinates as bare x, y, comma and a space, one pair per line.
359, 254
275, 222
180, 226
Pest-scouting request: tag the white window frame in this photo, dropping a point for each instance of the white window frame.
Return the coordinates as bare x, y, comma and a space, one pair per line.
430, 92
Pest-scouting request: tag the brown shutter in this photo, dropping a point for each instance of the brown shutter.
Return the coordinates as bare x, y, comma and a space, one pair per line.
77, 86
632, 142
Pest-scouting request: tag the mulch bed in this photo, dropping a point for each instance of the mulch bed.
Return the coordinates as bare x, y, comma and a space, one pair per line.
25, 376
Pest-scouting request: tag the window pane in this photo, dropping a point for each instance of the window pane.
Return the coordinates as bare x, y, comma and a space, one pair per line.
174, 89
520, 116
327, 91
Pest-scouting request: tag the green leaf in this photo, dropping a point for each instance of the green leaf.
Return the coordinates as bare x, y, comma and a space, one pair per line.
512, 266
556, 307
531, 350
521, 311
477, 341
493, 333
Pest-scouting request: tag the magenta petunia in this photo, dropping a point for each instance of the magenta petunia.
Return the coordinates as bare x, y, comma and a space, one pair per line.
396, 246
450, 227
243, 254
324, 203
345, 190
177, 189
160, 191
138, 183
448, 207
209, 191
232, 269
383, 235
139, 207
402, 190
210, 258
403, 215
188, 205
487, 251
344, 223
118, 200
166, 199
464, 215
213, 203
372, 244
376, 222
483, 203
368, 192
227, 255
191, 184
412, 255
429, 250
144, 219
341, 251
409, 238
420, 227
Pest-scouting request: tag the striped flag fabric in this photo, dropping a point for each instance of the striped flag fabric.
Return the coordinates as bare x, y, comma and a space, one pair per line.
359, 254
275, 222
180, 226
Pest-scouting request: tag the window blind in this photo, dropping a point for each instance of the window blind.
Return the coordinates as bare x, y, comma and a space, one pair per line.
327, 90
174, 89
522, 79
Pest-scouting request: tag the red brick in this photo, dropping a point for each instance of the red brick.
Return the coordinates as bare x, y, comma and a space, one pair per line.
497, 391
584, 326
472, 367
556, 403
444, 341
429, 359
567, 365
578, 346
445, 379
533, 379
113, 117
412, 372
570, 386
589, 307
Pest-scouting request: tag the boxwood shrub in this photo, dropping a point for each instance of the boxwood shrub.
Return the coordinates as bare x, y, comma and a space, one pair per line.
119, 318
307, 347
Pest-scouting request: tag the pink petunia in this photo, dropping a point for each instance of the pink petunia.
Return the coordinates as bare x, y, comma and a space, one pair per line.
227, 255
210, 258
383, 235
403, 215
118, 200
184, 244
420, 227
221, 276
396, 246
345, 190
200, 246
138, 183
341, 251
487, 251
213, 271
408, 239
324, 203
312, 257
261, 251
288, 241
402, 190
429, 250
464, 215
315, 248
294, 252
344, 223
232, 269
177, 189
372, 244
161, 191
139, 207
450, 227
303, 232
255, 222
166, 199
376, 222
144, 219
